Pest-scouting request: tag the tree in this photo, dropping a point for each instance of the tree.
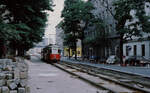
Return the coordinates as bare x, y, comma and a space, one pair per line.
76, 15
28, 19
122, 14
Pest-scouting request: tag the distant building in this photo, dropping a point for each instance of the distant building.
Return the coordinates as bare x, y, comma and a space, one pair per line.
71, 52
64, 48
60, 38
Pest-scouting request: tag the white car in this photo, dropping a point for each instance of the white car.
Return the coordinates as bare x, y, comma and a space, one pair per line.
111, 59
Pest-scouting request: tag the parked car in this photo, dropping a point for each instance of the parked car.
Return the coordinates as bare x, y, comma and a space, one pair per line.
93, 58
112, 59
137, 60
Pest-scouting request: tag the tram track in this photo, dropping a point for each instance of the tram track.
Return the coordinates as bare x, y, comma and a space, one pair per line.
103, 81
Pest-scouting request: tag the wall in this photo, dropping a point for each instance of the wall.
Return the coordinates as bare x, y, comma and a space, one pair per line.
139, 49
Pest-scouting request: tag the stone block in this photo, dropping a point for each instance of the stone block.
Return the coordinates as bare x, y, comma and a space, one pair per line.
9, 82
2, 82
9, 76
27, 89
23, 75
0, 89
17, 81
8, 68
15, 64
23, 83
5, 89
16, 73
12, 86
13, 91
21, 90
2, 76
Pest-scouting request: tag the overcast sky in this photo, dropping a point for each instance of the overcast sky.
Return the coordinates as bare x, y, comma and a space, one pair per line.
54, 18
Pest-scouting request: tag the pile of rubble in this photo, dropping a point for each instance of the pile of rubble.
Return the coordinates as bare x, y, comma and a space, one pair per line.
13, 76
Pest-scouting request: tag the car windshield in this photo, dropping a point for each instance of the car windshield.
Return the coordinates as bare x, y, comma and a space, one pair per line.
112, 57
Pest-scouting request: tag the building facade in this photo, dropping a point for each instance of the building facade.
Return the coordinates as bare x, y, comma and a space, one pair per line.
60, 39
102, 49
137, 48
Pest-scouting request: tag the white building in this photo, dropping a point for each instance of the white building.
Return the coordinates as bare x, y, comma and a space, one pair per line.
139, 46
59, 38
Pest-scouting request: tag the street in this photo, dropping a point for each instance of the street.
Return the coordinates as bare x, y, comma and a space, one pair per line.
44, 78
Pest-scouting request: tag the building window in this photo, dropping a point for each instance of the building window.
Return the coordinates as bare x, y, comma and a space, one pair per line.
135, 48
143, 50
127, 52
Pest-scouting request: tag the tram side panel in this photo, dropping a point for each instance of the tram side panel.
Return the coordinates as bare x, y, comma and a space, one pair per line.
55, 57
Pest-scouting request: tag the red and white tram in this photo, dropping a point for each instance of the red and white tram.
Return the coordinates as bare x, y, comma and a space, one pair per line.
51, 53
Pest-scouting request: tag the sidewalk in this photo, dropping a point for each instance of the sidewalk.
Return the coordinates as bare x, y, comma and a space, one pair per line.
45, 78
142, 71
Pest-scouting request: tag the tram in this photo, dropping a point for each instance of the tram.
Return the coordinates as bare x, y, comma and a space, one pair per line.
50, 53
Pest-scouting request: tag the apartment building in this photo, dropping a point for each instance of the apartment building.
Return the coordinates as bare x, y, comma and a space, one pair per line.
110, 46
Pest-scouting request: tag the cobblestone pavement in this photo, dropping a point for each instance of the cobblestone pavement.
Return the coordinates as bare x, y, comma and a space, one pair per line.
144, 71
44, 78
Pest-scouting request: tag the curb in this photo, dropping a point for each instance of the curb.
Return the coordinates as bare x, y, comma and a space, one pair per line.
130, 73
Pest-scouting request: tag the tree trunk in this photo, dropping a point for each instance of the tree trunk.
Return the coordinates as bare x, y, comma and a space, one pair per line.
75, 50
2, 49
121, 49
69, 52
82, 48
21, 51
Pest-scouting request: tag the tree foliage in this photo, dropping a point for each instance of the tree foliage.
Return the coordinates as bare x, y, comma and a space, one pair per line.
76, 16
124, 12
22, 22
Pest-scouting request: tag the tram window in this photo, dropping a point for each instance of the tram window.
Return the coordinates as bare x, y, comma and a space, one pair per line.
59, 51
50, 51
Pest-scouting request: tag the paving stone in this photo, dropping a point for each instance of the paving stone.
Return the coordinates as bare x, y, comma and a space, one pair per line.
23, 75
8, 82
23, 83
2, 76
2, 82
5, 89
9, 76
21, 90
17, 81
13, 91
27, 89
1, 67
0, 89
12, 86
16, 73
15, 64
8, 68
